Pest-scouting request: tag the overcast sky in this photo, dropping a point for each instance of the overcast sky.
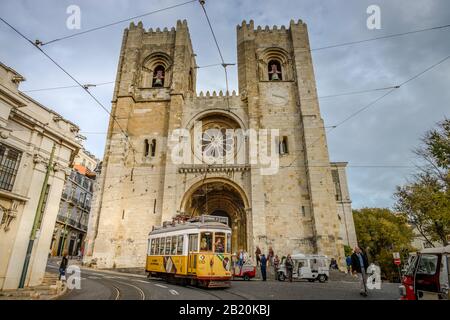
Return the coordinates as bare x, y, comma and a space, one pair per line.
384, 134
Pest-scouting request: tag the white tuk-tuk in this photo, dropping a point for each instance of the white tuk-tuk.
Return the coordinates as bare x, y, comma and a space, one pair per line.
307, 266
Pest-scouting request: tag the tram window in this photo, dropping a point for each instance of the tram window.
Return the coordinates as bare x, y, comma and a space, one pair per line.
180, 245
219, 242
152, 251
162, 241
168, 240
206, 240
228, 242
174, 245
193, 242
156, 251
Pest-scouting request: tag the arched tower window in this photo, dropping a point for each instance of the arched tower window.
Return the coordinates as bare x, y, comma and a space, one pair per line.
283, 146
158, 76
274, 70
274, 64
153, 147
146, 147
156, 71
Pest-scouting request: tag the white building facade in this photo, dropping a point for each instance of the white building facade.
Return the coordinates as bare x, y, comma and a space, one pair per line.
28, 134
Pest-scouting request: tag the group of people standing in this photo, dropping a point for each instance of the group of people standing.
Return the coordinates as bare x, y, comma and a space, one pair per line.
272, 260
357, 264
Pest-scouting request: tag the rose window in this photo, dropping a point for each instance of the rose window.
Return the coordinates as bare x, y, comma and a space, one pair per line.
216, 143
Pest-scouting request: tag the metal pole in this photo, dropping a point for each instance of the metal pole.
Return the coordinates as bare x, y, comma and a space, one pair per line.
64, 234
37, 218
399, 273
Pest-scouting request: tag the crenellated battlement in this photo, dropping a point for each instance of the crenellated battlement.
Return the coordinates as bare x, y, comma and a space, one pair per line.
213, 95
251, 26
181, 24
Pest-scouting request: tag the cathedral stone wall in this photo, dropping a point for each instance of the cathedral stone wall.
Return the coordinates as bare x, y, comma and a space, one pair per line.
293, 210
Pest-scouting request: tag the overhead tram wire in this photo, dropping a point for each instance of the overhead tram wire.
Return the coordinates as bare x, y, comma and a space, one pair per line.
434, 65
37, 42
87, 85
391, 91
380, 38
76, 81
224, 64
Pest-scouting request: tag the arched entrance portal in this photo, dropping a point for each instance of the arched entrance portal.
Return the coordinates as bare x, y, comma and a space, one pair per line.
220, 197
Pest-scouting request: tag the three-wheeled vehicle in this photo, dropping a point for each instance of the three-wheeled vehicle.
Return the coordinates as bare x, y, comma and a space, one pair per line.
247, 271
307, 266
428, 275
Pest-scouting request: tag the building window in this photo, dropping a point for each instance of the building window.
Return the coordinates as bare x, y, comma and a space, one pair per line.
146, 148
153, 147
274, 70
337, 184
158, 76
9, 164
283, 145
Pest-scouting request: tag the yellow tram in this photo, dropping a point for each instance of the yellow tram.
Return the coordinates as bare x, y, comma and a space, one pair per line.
196, 252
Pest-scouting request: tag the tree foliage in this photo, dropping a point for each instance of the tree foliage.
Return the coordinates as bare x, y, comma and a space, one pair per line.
425, 201
381, 232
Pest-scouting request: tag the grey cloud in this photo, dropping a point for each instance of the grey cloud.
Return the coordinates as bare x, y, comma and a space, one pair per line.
384, 134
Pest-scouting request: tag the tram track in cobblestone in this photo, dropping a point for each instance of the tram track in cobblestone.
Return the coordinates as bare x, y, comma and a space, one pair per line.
117, 292
216, 295
141, 292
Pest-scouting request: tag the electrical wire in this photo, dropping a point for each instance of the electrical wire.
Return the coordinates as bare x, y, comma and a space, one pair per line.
380, 38
75, 80
372, 103
113, 23
68, 87
224, 65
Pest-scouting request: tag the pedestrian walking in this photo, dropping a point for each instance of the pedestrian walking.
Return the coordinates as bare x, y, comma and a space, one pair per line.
263, 262
289, 264
257, 255
241, 259
270, 256
333, 264
276, 265
348, 261
63, 266
359, 267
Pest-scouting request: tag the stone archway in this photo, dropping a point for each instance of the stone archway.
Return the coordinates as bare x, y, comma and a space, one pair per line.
220, 197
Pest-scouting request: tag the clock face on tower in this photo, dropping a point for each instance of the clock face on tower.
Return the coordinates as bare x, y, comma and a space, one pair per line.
277, 96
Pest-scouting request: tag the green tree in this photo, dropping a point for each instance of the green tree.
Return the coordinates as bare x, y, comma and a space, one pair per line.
380, 233
425, 201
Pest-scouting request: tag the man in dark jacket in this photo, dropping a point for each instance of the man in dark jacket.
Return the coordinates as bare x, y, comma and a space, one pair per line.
263, 263
359, 267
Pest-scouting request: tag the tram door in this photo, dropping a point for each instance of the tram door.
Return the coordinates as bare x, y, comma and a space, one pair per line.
192, 253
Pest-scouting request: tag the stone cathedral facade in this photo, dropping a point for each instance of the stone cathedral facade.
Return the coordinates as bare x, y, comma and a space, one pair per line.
303, 207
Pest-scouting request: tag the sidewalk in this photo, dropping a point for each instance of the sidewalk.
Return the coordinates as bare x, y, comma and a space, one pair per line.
53, 262
50, 289
335, 275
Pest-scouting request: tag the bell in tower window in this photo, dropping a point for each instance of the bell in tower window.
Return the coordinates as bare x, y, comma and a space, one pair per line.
274, 70
158, 77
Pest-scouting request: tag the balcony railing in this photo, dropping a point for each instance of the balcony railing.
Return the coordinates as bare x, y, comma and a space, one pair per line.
71, 222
